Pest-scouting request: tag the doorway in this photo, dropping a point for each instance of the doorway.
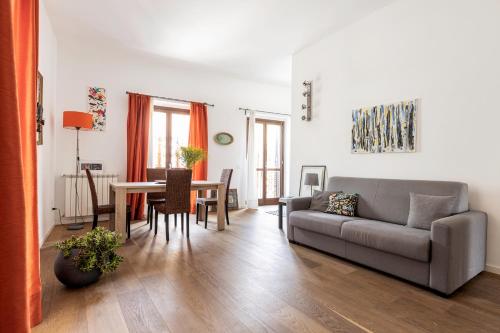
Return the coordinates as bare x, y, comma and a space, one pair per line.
269, 153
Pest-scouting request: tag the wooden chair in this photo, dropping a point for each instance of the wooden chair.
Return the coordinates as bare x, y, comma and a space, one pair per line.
224, 178
177, 198
153, 174
102, 209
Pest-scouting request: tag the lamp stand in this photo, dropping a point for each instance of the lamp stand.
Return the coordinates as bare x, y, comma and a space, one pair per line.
76, 225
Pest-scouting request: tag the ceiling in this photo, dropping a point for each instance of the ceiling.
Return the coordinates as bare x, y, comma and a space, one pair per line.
251, 39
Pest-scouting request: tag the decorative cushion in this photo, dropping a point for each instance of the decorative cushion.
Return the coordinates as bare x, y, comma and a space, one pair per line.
320, 200
343, 204
424, 209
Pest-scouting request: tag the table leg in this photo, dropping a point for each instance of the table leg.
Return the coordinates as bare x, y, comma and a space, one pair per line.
280, 215
202, 194
221, 198
111, 201
121, 213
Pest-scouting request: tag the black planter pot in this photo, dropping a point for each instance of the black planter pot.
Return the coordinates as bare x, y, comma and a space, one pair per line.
70, 275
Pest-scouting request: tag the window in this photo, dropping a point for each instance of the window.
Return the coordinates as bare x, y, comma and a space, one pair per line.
169, 131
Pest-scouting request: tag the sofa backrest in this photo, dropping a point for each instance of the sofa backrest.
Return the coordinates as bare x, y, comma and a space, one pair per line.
389, 199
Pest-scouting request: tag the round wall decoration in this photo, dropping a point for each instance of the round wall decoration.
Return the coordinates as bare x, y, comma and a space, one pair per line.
223, 138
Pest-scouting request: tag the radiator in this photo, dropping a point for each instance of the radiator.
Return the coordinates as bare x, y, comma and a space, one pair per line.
84, 198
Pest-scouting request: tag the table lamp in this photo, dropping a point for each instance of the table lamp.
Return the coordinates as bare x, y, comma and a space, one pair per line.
311, 180
78, 121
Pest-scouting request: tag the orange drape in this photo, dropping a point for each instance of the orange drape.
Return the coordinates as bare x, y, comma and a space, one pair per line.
139, 111
20, 287
198, 137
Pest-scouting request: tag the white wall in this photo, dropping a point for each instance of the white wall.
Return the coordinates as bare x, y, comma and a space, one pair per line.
119, 70
446, 53
47, 64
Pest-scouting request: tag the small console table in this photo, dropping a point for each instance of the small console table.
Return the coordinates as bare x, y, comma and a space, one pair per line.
282, 202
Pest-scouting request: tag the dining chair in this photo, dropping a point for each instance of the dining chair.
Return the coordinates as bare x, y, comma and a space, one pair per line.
206, 202
177, 198
102, 209
154, 174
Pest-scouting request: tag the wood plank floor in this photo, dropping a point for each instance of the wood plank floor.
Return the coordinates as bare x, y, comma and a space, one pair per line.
249, 279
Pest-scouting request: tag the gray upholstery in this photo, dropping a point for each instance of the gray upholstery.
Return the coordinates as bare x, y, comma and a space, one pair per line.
409, 269
321, 242
424, 209
326, 224
320, 200
294, 204
389, 199
444, 258
392, 238
458, 250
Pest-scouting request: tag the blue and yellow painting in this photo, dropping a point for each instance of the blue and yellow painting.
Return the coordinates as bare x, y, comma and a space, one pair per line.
388, 128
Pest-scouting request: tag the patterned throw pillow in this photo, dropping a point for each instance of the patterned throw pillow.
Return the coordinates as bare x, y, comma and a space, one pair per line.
343, 204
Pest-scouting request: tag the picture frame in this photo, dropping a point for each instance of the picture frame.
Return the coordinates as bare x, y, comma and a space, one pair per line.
97, 167
232, 199
320, 170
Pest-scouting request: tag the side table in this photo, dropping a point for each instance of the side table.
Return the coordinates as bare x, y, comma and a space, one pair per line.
282, 202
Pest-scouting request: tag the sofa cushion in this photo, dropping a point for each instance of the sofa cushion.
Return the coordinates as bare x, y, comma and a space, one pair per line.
392, 238
424, 209
343, 204
319, 222
320, 200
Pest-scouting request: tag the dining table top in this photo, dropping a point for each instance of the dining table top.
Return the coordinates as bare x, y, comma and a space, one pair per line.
157, 184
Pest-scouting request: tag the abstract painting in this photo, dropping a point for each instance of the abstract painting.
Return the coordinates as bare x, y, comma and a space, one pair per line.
97, 106
388, 128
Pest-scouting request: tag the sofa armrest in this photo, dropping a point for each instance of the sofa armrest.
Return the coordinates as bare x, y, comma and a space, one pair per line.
301, 203
458, 250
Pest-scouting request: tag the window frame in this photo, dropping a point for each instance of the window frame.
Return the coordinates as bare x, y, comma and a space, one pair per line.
169, 111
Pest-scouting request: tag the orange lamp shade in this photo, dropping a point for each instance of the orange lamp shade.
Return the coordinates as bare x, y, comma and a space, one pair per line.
77, 120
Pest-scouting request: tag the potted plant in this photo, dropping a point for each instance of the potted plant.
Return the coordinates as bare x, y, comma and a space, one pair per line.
189, 155
83, 259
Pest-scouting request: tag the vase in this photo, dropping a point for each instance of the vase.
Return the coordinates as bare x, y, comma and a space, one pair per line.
70, 275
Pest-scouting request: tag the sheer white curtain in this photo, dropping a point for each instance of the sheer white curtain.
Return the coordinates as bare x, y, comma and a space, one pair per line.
249, 172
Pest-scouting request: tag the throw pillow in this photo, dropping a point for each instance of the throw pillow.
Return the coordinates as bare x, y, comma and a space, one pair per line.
424, 209
343, 204
320, 200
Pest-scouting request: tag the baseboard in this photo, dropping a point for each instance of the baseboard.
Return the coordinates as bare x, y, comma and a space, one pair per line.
493, 269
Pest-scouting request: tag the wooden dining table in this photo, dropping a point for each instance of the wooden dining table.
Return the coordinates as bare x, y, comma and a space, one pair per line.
118, 195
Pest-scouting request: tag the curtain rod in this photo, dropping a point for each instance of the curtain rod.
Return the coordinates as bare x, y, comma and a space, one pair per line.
170, 99
246, 110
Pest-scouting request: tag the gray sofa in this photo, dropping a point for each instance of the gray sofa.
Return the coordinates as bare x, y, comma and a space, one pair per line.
443, 258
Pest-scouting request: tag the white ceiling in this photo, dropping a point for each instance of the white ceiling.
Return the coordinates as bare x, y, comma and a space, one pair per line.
253, 39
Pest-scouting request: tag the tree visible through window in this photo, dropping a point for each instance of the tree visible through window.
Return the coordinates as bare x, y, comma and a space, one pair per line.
169, 131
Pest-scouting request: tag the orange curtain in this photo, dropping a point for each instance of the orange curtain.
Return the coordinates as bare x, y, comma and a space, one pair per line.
20, 287
198, 137
139, 111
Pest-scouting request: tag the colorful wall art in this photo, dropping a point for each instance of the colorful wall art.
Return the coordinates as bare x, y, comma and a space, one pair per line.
97, 106
388, 128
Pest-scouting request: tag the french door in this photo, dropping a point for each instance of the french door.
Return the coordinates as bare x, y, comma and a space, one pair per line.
269, 160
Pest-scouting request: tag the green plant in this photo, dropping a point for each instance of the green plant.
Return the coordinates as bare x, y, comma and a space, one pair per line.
95, 249
190, 155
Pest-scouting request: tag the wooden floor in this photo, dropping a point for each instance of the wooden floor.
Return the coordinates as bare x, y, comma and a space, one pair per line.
249, 279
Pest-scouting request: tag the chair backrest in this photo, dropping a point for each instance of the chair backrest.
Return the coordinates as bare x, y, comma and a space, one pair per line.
178, 191
153, 174
93, 192
225, 178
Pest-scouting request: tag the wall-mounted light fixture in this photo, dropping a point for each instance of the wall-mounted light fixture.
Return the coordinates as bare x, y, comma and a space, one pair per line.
307, 94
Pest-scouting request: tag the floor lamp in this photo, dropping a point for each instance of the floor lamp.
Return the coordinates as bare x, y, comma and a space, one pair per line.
77, 121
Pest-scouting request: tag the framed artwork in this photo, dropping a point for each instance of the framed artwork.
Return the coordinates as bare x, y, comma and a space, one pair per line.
39, 109
232, 199
308, 172
388, 128
97, 106
95, 166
